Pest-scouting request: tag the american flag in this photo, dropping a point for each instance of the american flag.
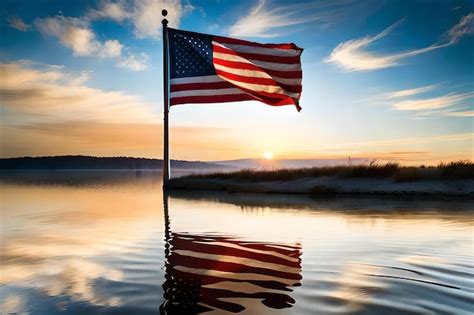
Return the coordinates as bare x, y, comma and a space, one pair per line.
213, 273
213, 69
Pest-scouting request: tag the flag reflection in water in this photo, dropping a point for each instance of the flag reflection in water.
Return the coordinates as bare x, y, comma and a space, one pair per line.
207, 272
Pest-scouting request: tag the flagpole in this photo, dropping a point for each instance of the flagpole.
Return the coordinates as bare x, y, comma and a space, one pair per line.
166, 154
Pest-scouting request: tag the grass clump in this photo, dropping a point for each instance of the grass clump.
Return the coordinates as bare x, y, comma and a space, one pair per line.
395, 171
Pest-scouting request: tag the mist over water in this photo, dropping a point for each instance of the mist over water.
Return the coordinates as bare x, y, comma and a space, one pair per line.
85, 242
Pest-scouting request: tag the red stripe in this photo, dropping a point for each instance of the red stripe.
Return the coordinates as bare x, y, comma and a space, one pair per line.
229, 251
210, 99
248, 66
267, 58
247, 43
275, 99
262, 81
209, 264
200, 86
277, 247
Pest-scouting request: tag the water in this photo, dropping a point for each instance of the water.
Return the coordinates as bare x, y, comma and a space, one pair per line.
111, 243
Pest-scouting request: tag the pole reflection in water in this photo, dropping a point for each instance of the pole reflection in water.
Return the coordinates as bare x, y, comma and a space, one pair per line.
209, 272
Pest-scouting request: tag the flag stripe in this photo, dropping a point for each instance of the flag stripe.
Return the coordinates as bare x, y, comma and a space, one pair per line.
210, 92
200, 86
240, 260
263, 64
227, 40
260, 81
249, 66
258, 74
206, 279
254, 56
268, 90
285, 249
227, 248
262, 50
235, 276
211, 99
200, 263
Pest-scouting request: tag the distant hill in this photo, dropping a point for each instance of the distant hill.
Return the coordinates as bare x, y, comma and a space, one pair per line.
72, 162
289, 163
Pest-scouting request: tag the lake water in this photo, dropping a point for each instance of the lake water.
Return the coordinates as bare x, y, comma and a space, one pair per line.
111, 243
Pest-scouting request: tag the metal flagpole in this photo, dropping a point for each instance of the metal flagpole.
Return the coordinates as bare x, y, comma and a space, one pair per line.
166, 148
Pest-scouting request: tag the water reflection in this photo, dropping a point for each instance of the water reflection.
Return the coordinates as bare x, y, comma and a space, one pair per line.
93, 242
207, 272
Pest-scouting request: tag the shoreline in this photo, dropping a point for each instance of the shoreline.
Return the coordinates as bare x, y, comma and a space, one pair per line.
330, 186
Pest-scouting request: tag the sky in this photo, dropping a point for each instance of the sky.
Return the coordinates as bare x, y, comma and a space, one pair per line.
385, 80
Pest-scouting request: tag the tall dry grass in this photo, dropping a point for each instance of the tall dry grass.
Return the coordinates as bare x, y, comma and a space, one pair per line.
452, 170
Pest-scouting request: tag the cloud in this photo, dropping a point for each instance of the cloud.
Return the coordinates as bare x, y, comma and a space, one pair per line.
81, 78
72, 33
409, 100
53, 94
434, 102
18, 24
111, 49
144, 15
353, 56
409, 92
77, 35
463, 28
468, 113
135, 62
115, 11
262, 21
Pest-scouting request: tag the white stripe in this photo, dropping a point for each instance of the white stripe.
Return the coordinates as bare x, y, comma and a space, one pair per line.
239, 260
236, 276
260, 50
206, 92
253, 250
199, 79
262, 88
263, 64
257, 74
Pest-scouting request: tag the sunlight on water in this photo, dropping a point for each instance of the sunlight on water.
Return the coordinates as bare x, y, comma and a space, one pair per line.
110, 242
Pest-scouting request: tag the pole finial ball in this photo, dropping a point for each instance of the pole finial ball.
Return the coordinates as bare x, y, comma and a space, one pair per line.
164, 12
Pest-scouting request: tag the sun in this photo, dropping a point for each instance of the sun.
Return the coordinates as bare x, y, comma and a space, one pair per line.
268, 155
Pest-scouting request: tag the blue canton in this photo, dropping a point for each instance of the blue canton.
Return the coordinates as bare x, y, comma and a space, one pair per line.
190, 54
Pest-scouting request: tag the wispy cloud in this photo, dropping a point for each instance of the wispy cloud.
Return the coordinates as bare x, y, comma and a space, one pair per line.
18, 24
469, 113
409, 92
266, 21
135, 62
434, 102
262, 21
352, 55
29, 92
77, 35
144, 15
448, 105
